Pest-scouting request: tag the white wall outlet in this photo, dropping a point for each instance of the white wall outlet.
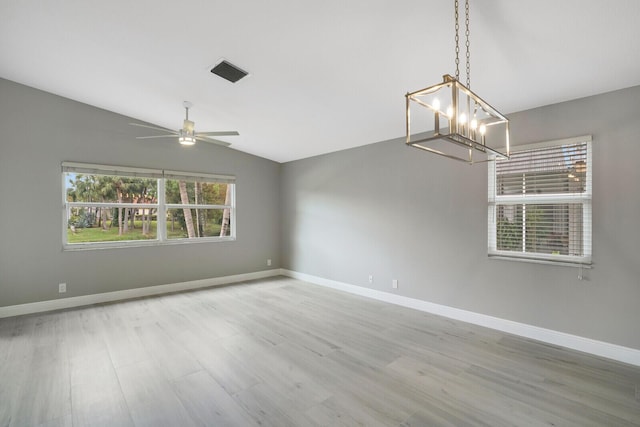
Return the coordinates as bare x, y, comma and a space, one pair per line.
394, 283
371, 278
269, 262
62, 288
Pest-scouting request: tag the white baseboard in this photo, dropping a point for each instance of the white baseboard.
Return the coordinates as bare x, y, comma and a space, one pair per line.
62, 303
587, 345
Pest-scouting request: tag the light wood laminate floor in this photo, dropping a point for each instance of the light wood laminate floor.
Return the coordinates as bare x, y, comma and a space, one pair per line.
279, 352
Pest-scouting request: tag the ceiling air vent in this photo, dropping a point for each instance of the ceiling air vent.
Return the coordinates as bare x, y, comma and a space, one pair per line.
228, 71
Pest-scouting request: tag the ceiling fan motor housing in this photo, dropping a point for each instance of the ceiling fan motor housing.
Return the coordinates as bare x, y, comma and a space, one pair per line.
186, 135
188, 126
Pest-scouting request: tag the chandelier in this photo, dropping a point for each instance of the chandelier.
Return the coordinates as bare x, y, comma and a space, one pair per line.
454, 122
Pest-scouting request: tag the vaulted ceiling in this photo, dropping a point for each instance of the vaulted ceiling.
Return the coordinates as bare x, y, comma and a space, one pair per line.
324, 75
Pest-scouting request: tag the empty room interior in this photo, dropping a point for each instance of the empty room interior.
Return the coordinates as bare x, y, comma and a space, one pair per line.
363, 213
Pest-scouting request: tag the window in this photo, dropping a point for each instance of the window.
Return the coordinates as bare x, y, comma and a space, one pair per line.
197, 207
106, 206
540, 203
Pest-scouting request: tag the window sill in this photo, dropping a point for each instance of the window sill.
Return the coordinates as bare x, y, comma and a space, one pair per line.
142, 243
559, 263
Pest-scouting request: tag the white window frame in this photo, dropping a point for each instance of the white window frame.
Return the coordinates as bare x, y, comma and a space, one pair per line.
227, 179
161, 205
584, 198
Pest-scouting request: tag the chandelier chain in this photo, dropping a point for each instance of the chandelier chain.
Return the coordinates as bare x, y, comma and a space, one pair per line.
466, 10
457, 43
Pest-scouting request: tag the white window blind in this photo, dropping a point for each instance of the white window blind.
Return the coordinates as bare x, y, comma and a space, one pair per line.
91, 169
192, 176
540, 203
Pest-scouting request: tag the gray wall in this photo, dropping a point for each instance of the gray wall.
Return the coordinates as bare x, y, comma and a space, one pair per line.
383, 209
39, 130
396, 212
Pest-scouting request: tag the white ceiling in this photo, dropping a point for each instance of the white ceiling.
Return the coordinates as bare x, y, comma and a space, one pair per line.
325, 75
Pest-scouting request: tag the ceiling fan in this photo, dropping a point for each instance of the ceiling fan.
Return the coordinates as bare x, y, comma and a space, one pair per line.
187, 135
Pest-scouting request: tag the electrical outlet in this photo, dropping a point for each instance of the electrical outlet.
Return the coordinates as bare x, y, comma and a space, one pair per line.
269, 262
62, 288
394, 283
371, 278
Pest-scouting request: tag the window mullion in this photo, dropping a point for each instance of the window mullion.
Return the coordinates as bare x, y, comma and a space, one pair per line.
112, 205
232, 211
547, 199
524, 214
194, 206
161, 223
65, 210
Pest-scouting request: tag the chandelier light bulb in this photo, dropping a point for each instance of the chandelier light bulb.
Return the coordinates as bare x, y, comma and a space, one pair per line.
474, 124
450, 111
483, 130
436, 118
463, 118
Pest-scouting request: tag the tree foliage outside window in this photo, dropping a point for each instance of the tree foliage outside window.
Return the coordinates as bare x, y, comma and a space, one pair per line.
199, 208
93, 197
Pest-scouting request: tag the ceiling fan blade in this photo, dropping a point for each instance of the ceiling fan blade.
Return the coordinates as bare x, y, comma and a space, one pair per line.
213, 141
156, 136
153, 127
219, 133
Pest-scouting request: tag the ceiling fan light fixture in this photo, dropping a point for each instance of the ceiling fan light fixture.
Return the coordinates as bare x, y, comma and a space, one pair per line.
185, 138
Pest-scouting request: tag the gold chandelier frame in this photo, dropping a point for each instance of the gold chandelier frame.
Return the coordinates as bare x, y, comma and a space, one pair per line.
462, 126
